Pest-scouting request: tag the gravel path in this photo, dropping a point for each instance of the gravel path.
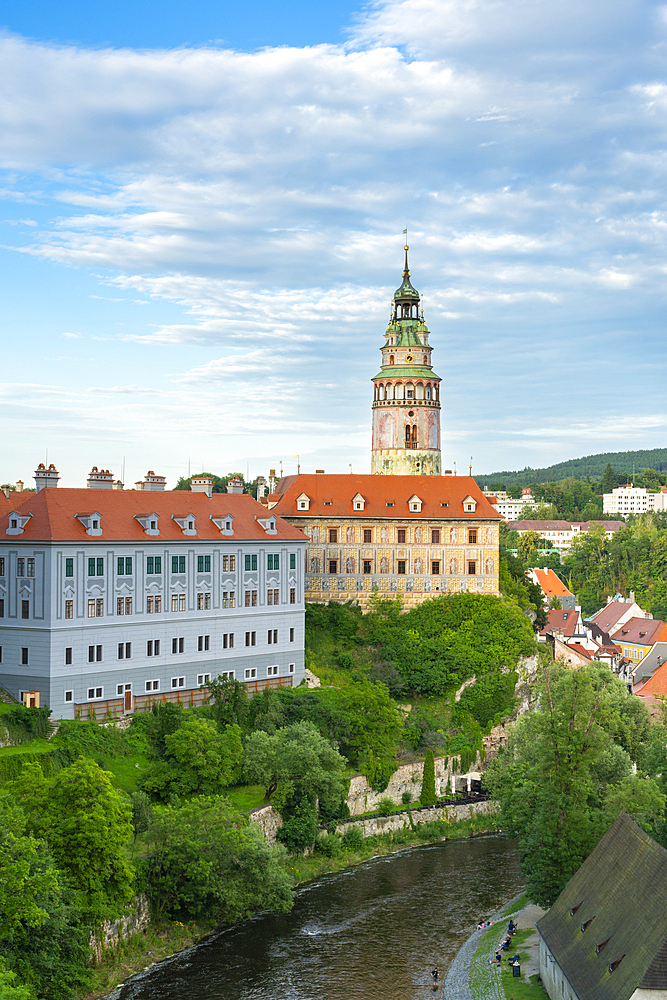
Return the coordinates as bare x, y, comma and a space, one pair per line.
457, 980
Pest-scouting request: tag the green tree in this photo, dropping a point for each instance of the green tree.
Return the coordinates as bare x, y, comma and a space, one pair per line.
376, 729
299, 759
609, 480
87, 825
25, 876
553, 784
529, 542
10, 989
229, 701
428, 796
206, 861
199, 760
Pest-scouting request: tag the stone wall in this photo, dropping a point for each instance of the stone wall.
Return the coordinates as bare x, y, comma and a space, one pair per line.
408, 778
268, 820
111, 932
390, 824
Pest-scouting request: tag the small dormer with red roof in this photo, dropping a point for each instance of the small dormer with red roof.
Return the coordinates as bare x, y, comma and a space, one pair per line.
415, 503
358, 502
149, 522
92, 522
303, 502
469, 505
17, 522
186, 524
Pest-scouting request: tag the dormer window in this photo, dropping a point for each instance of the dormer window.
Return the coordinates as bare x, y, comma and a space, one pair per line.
303, 502
17, 522
469, 505
358, 502
269, 524
225, 525
186, 524
415, 504
91, 522
149, 522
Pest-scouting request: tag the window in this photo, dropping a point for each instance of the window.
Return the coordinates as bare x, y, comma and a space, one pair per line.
69, 568
401, 536
31, 567
333, 534
150, 565
292, 595
435, 536
91, 567
203, 643
401, 567
291, 668
25, 609
200, 602
99, 607
149, 647
251, 638
91, 607
94, 693
368, 535
69, 696
203, 564
250, 673
273, 596
390, 503
225, 564
435, 567
203, 679
227, 673
368, 567
69, 609
251, 598
91, 654
152, 685
24, 655
128, 605
178, 682
98, 654
124, 567
68, 655
272, 671
333, 565
178, 564
228, 599
472, 536
149, 604
2, 565
273, 561
124, 650
20, 567
178, 645
250, 563
472, 567
272, 636
228, 640
203, 602
122, 688
291, 635
178, 602
292, 560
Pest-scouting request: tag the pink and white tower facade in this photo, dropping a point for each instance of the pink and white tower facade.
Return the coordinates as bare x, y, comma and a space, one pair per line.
406, 396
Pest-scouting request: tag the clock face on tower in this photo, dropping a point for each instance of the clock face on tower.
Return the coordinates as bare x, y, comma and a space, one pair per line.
409, 358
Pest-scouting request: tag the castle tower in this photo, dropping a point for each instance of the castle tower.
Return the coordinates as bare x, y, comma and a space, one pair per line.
406, 396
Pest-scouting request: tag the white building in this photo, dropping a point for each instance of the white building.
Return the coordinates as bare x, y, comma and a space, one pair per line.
562, 533
631, 499
111, 599
510, 509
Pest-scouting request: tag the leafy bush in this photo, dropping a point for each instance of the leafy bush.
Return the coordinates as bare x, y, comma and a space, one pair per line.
25, 724
329, 845
490, 697
300, 829
385, 807
353, 838
406, 797
428, 796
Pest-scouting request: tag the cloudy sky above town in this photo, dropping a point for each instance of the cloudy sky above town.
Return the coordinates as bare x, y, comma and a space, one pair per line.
201, 210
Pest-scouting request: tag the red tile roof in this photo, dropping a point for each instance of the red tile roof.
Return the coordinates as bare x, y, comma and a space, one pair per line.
53, 515
551, 584
539, 526
607, 617
441, 496
656, 686
563, 621
640, 631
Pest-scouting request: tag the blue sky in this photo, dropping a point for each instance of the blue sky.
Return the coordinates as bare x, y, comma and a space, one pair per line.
201, 210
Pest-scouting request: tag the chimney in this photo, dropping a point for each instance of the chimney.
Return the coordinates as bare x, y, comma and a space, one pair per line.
632, 597
45, 478
319, 472
202, 484
100, 479
273, 482
19, 486
447, 472
118, 485
262, 488
235, 486
154, 484
6, 489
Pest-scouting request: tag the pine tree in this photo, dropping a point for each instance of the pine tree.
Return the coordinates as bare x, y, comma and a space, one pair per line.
428, 796
609, 480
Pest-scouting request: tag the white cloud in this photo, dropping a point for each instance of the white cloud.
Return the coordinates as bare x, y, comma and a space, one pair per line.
73, 336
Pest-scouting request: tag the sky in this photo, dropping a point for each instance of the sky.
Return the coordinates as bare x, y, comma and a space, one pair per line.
201, 216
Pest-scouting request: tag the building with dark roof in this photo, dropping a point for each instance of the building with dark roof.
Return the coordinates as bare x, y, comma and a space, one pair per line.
605, 937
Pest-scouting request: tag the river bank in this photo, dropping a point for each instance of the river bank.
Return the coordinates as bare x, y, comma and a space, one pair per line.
160, 942
473, 975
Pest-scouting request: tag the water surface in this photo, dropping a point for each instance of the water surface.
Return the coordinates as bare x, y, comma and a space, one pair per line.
374, 931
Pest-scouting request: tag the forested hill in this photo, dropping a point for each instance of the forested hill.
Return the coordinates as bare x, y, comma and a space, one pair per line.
590, 465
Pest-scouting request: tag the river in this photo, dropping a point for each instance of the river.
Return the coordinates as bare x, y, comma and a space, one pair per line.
374, 931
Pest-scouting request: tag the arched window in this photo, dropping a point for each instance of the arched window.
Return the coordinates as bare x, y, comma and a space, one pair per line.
426, 359
391, 359
428, 391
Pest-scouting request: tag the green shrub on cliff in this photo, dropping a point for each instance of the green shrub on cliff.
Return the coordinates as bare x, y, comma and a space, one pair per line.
428, 796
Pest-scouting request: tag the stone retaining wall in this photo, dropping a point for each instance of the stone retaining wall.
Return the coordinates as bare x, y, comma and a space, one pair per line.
397, 821
268, 820
111, 931
408, 778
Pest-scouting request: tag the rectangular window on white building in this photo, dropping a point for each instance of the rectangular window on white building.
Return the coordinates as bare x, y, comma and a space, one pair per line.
250, 672
69, 609
272, 671
69, 696
178, 682
152, 685
91, 607
203, 679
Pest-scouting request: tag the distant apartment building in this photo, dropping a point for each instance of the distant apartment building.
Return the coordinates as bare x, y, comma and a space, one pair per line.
508, 508
631, 499
562, 533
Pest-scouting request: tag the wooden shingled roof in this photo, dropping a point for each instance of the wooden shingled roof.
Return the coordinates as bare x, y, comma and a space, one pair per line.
619, 895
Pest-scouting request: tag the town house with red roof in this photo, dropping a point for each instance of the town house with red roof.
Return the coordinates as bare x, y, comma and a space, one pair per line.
112, 600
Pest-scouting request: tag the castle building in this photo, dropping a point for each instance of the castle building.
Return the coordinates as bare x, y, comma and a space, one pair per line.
406, 393
112, 601
391, 532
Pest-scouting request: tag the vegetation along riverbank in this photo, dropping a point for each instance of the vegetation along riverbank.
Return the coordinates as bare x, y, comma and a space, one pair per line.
98, 815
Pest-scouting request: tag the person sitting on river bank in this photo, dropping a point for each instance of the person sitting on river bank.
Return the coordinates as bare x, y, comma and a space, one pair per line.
506, 943
498, 959
511, 928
